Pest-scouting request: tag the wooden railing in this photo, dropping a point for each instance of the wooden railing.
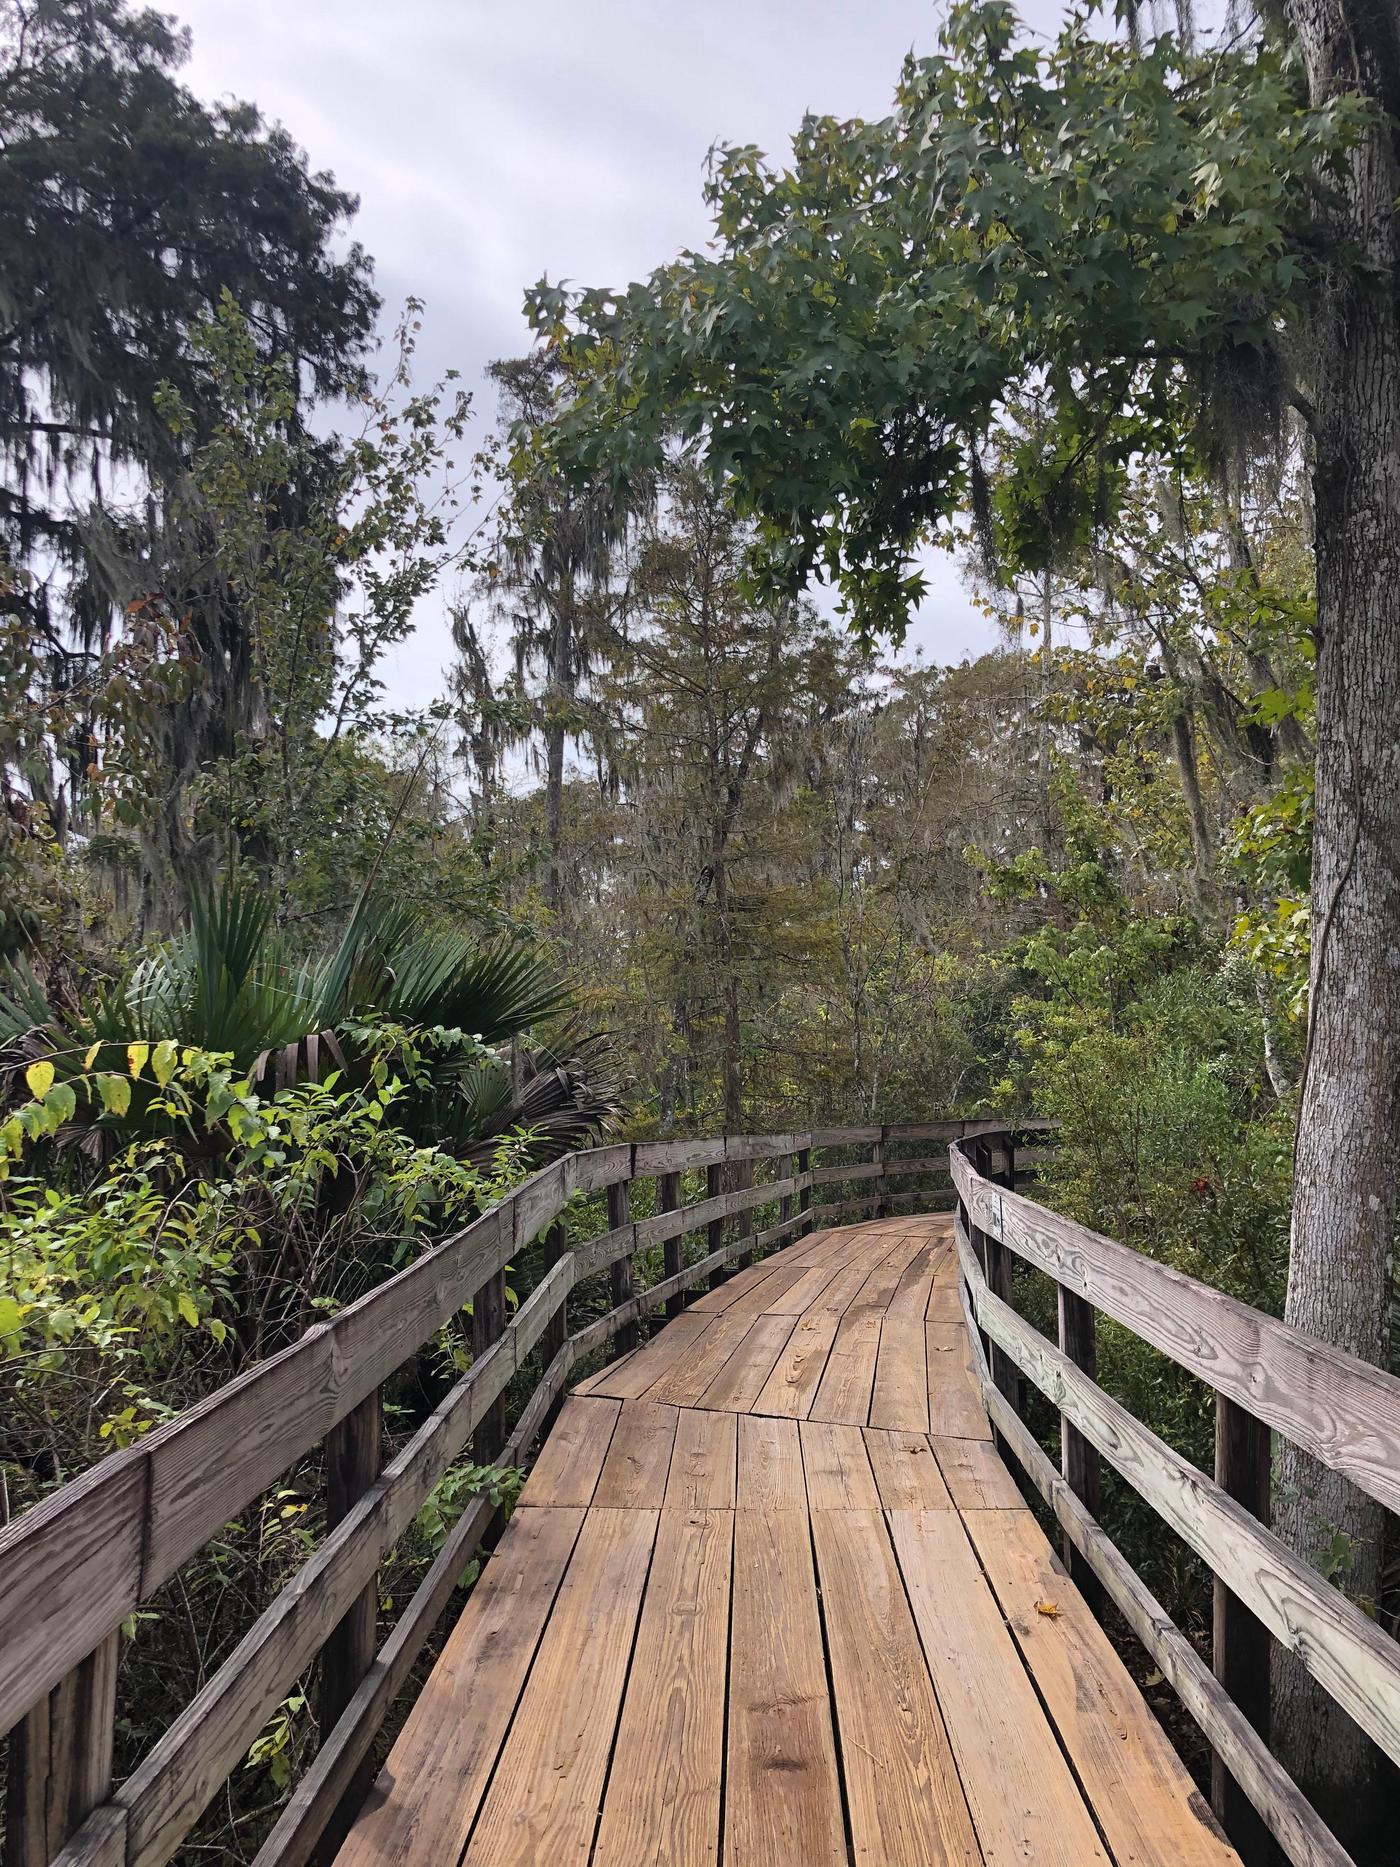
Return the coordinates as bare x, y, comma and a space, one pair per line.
1267, 1378
78, 1564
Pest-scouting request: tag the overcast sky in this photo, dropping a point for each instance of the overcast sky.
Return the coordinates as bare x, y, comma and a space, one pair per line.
490, 143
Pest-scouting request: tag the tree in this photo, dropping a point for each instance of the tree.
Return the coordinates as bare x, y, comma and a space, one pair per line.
551, 579
127, 210
310, 557
1177, 252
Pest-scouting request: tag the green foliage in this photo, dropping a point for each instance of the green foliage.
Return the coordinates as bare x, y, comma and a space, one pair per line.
1118, 228
312, 1193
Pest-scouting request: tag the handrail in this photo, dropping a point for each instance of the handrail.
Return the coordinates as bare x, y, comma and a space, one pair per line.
1266, 1374
74, 1567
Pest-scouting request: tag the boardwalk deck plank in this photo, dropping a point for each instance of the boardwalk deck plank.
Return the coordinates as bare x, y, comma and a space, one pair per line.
543, 1801
663, 1796
1146, 1803
1025, 1804
782, 1800
905, 1802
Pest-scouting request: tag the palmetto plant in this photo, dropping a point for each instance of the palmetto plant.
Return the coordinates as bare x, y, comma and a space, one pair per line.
232, 984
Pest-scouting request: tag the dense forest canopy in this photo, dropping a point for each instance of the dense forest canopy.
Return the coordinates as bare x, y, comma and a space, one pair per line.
292, 979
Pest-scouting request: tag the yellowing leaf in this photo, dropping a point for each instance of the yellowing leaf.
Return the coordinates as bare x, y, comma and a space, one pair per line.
136, 1055
39, 1076
91, 1056
185, 1305
1050, 1609
163, 1062
11, 1316
115, 1092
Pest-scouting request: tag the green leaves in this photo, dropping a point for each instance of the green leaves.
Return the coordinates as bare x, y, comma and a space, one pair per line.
1104, 223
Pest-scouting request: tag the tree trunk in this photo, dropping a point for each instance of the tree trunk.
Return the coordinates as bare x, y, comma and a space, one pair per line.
1202, 848
1348, 1148
559, 697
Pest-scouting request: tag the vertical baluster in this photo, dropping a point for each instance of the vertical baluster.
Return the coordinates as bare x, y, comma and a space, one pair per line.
1242, 1644
620, 1214
882, 1185
714, 1231
60, 1759
557, 1328
783, 1168
740, 1180
668, 1198
354, 1453
804, 1196
488, 1325
1079, 1461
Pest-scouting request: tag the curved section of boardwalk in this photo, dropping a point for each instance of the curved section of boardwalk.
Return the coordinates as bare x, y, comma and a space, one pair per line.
771, 1598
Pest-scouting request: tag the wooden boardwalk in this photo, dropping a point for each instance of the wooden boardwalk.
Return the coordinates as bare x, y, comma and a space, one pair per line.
771, 1599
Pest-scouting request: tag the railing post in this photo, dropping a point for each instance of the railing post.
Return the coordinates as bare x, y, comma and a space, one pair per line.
740, 1180
714, 1231
668, 1198
1079, 1460
620, 1214
488, 1325
882, 1185
804, 1194
557, 1328
60, 1759
1242, 1644
354, 1454
997, 1268
783, 1166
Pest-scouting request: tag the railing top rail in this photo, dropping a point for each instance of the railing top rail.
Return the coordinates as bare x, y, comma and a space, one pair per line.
1342, 1411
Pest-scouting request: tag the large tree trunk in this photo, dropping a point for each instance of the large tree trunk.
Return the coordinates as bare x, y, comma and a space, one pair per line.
1340, 1268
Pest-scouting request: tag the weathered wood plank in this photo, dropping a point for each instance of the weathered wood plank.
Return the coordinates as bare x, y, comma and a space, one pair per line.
294, 1836
535, 1810
703, 1462
900, 1397
798, 1370
1300, 1832
906, 1803
427, 1796
906, 1473
770, 1476
955, 1406
639, 1458
174, 1783
566, 1471
663, 1795
843, 1394
100, 1842
653, 1157
687, 1378
1150, 1811
60, 1760
975, 1475
741, 1380
782, 1800
630, 1379
1025, 1804
837, 1467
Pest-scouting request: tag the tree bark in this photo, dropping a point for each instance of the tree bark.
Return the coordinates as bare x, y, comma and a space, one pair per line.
1348, 1145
